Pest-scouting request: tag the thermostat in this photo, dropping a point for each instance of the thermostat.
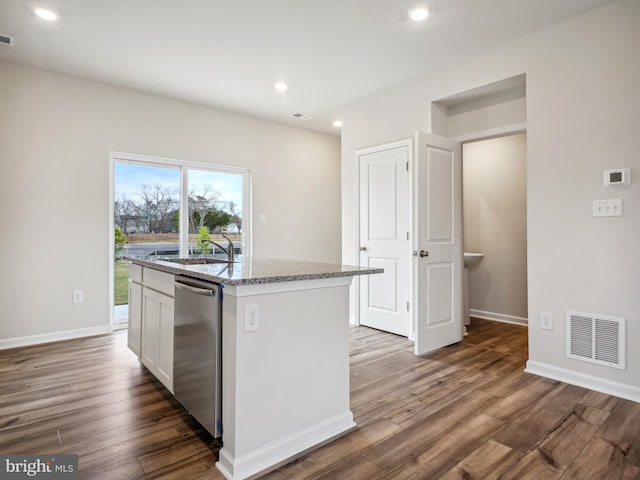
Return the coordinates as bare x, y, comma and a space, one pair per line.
617, 177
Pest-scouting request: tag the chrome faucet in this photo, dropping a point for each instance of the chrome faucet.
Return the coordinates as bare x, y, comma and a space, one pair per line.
228, 250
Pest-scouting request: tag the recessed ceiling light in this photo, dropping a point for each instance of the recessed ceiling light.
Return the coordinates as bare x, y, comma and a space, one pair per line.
418, 14
281, 86
337, 123
46, 14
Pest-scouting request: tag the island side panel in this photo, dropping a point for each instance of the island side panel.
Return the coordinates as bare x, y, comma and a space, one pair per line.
288, 382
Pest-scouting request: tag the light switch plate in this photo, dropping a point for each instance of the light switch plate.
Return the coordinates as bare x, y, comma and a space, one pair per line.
611, 207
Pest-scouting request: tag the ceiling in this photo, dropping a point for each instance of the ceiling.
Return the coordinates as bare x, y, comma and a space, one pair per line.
229, 53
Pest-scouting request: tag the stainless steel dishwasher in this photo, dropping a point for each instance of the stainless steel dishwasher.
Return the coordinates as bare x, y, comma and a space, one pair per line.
197, 351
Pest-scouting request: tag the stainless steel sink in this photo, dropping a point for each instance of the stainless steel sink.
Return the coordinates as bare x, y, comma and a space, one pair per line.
196, 260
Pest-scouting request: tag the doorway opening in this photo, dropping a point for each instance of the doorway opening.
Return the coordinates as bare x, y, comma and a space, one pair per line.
485, 119
495, 225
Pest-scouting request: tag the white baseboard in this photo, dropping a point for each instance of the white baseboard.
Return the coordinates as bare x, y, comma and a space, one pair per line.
283, 450
498, 317
591, 382
53, 337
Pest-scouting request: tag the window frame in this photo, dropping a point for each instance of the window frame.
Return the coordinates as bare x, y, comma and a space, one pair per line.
183, 166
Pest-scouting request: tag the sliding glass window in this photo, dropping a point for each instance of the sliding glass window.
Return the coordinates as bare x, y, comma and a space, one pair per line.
165, 207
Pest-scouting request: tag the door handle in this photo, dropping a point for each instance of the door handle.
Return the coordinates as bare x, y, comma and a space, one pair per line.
363, 249
198, 291
424, 253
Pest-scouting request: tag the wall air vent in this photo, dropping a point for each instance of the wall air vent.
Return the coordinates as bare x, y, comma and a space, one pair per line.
7, 40
596, 338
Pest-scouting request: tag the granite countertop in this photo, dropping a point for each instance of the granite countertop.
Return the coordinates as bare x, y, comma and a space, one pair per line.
249, 270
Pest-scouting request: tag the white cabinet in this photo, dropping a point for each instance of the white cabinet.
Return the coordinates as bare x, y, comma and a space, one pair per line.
157, 335
135, 317
150, 334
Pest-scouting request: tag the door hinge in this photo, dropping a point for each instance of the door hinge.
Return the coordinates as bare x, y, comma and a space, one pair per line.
407, 236
407, 306
407, 164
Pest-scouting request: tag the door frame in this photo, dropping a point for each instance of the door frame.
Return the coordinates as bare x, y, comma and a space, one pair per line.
504, 131
409, 143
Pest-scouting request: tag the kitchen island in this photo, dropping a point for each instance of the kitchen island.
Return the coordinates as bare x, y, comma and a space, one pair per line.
285, 384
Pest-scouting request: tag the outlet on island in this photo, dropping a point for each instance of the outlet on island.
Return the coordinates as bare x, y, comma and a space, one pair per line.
78, 296
252, 317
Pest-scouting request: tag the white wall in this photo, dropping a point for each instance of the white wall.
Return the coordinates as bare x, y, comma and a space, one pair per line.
583, 112
56, 132
495, 223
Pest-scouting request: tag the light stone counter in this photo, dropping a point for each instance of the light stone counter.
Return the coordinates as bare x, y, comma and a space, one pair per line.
248, 270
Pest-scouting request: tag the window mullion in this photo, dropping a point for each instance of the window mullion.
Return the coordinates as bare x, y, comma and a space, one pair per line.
184, 210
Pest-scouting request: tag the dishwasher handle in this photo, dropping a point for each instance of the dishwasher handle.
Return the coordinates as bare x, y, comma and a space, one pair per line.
198, 291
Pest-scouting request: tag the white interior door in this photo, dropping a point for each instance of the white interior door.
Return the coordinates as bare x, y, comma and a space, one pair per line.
384, 236
438, 256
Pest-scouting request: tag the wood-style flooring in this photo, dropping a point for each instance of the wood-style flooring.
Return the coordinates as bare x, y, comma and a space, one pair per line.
467, 411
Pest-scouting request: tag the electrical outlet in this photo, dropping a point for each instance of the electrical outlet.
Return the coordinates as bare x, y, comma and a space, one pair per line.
78, 296
252, 317
546, 320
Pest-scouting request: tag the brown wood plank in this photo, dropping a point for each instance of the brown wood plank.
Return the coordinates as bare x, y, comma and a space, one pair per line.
358, 469
419, 437
530, 427
449, 450
532, 466
123, 471
320, 461
622, 430
598, 460
489, 462
564, 444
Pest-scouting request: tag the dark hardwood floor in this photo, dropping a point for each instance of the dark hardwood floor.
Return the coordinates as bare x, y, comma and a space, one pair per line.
463, 412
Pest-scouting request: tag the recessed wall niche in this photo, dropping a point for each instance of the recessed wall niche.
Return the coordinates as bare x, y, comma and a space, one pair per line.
491, 110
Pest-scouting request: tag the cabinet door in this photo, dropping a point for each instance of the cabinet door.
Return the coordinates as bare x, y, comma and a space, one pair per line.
165, 341
150, 329
157, 335
135, 317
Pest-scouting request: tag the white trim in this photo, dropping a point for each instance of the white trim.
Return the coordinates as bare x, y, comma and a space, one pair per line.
274, 454
120, 314
281, 287
503, 131
499, 317
112, 242
404, 142
183, 234
177, 163
54, 336
591, 382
